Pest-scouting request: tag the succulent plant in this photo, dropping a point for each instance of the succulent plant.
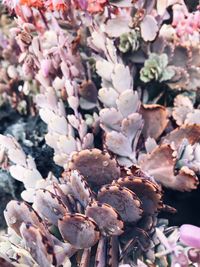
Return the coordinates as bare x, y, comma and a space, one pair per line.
169, 152
61, 128
183, 59
187, 70
103, 210
84, 218
186, 24
129, 42
15, 88
156, 68
155, 120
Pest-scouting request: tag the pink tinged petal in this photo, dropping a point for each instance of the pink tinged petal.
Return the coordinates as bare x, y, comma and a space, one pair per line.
190, 235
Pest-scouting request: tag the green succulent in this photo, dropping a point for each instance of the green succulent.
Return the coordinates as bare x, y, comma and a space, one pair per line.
129, 42
156, 68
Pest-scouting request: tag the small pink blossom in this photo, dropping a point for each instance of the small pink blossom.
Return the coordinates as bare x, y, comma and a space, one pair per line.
186, 24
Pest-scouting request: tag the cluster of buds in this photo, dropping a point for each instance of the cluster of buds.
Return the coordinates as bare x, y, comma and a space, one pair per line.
186, 24
53, 5
58, 5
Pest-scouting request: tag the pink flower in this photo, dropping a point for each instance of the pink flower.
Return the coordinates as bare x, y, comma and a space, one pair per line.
96, 6
59, 5
190, 235
186, 24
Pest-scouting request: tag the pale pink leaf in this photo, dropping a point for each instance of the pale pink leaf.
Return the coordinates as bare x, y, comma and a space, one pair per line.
149, 28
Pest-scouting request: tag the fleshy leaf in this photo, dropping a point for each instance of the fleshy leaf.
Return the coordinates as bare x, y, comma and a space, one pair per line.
79, 230
123, 200
149, 28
